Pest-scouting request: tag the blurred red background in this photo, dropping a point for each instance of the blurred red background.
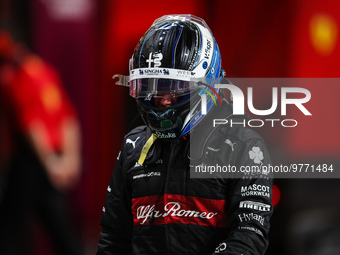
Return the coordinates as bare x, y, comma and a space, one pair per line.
88, 41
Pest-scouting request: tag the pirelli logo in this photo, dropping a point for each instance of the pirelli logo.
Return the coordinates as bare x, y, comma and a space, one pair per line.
255, 206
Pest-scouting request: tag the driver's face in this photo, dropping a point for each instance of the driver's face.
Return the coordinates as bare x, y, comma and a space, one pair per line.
165, 101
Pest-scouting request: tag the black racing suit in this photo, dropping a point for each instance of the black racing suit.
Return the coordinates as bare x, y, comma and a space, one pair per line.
157, 208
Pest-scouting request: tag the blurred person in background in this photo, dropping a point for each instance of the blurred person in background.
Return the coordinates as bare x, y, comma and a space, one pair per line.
40, 152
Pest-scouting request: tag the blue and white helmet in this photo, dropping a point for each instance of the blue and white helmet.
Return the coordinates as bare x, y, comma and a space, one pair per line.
178, 57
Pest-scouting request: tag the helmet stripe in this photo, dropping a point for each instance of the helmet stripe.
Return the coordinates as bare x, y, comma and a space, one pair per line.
209, 95
175, 45
141, 51
218, 96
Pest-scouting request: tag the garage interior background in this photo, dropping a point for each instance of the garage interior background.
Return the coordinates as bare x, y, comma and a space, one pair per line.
88, 41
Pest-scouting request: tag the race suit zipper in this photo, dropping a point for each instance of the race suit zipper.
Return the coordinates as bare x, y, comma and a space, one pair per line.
170, 163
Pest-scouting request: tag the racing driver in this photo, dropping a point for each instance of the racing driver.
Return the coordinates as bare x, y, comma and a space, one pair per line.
154, 203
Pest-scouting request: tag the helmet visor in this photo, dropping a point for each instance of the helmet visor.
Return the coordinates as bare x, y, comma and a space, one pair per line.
160, 87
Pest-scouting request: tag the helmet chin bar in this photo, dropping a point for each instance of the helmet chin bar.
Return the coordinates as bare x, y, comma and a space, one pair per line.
164, 122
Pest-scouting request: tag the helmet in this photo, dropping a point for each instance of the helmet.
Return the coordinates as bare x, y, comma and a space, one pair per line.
177, 58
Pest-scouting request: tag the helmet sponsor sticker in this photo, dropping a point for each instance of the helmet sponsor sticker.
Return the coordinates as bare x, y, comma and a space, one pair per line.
167, 73
155, 58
